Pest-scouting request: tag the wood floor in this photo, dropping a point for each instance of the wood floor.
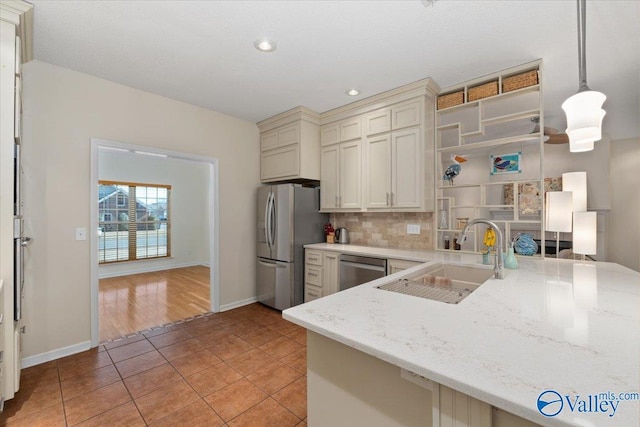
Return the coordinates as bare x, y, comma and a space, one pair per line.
133, 303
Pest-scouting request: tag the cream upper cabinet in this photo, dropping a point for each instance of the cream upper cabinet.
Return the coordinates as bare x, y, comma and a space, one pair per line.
329, 158
406, 169
341, 177
350, 175
378, 121
385, 152
378, 176
406, 115
344, 130
290, 146
269, 140
394, 170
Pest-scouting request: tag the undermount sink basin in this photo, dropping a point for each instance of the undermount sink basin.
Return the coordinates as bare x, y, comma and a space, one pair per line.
462, 274
450, 283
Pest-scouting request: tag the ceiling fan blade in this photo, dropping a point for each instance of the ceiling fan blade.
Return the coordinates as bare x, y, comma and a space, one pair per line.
558, 138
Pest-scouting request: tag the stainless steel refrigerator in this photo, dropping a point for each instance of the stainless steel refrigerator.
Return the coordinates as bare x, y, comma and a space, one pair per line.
287, 219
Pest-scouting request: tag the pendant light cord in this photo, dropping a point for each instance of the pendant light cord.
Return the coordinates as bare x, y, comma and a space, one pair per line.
582, 41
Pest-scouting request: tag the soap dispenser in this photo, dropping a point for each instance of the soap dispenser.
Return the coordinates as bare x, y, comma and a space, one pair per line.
510, 261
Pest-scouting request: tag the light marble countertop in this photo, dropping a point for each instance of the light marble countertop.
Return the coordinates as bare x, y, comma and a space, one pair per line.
560, 325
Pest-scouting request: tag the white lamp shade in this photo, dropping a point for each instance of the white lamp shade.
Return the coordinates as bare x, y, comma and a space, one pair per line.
585, 233
576, 182
579, 147
584, 119
558, 211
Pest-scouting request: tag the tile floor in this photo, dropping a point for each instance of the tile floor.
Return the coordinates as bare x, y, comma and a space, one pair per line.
243, 367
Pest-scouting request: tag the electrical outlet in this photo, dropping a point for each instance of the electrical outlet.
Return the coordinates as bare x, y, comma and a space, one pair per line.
413, 228
81, 233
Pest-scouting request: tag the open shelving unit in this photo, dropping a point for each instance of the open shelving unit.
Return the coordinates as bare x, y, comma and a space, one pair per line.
496, 125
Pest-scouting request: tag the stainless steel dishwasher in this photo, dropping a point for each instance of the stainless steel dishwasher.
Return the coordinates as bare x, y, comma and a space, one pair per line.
356, 270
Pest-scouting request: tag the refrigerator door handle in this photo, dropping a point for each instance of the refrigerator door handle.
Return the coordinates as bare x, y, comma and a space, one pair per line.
270, 264
267, 221
274, 220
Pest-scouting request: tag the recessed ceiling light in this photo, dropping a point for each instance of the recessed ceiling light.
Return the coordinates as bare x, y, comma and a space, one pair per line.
265, 45
353, 92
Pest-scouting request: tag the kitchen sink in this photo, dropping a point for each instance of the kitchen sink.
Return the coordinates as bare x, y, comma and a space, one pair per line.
444, 282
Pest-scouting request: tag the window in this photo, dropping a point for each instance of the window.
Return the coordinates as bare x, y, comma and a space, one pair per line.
135, 221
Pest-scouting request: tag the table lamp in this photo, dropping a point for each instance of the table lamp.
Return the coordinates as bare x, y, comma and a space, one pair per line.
585, 233
558, 210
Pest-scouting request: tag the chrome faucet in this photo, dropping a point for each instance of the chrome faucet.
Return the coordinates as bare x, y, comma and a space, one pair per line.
499, 260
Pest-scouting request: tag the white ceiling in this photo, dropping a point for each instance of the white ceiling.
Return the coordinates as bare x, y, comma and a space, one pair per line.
201, 52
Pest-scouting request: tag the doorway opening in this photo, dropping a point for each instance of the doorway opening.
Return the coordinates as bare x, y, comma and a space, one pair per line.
185, 226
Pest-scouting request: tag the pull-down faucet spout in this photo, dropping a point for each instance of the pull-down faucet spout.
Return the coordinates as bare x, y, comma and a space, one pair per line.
499, 260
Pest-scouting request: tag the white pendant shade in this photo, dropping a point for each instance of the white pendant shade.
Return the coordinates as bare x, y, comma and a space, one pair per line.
558, 211
584, 119
576, 182
584, 233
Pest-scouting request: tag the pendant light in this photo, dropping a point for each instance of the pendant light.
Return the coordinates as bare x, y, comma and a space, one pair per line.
584, 109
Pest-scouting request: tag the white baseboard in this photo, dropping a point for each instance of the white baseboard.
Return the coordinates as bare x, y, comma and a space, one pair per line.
55, 354
237, 304
146, 269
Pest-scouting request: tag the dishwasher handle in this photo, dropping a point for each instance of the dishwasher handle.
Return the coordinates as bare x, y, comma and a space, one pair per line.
364, 266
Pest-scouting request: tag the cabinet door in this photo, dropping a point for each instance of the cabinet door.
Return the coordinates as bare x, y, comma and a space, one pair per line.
329, 177
329, 134
378, 121
311, 292
350, 175
331, 272
313, 275
395, 265
289, 135
280, 163
350, 129
406, 178
406, 115
269, 140
378, 171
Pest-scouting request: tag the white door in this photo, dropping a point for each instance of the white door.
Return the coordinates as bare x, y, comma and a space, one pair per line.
378, 172
406, 178
329, 177
12, 240
350, 175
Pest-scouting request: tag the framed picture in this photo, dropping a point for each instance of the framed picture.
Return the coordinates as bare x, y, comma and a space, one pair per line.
505, 163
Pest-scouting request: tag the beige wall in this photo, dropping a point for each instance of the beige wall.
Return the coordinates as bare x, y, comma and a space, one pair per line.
624, 218
63, 110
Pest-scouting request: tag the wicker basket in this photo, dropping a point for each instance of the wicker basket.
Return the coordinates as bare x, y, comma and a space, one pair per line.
484, 90
529, 78
450, 99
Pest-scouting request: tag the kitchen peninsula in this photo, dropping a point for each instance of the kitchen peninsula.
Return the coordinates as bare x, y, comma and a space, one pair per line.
560, 325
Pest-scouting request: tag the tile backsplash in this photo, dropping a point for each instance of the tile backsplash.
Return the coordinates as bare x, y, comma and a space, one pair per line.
387, 229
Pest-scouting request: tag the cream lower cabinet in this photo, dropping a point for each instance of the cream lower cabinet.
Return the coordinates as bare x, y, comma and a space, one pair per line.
395, 265
321, 274
394, 170
313, 261
341, 176
331, 273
